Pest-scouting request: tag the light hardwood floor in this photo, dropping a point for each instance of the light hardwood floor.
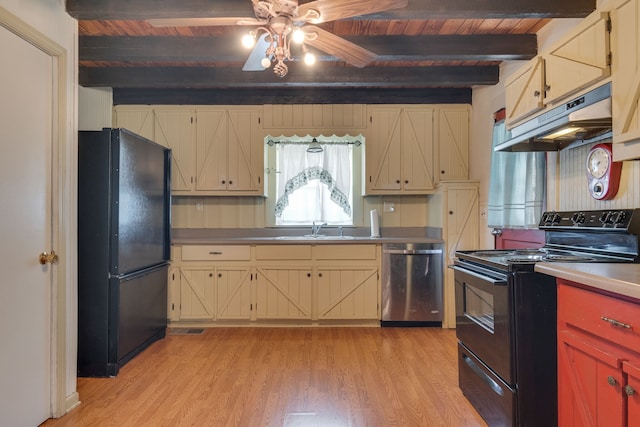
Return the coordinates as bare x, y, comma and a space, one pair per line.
283, 377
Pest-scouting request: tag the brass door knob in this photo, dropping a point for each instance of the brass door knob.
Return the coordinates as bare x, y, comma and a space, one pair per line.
50, 258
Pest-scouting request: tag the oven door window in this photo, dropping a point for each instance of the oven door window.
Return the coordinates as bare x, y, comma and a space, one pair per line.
478, 307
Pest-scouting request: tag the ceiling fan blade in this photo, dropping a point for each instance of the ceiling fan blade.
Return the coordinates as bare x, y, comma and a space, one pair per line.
330, 10
204, 22
257, 54
338, 47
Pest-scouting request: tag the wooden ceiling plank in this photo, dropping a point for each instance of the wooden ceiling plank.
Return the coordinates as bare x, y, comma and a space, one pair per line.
416, 9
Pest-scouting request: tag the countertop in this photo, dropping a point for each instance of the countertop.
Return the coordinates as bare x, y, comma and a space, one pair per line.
210, 236
622, 279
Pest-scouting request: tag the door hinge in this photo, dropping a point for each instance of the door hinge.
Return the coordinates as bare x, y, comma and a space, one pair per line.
173, 307
609, 25
191, 119
609, 59
173, 276
370, 119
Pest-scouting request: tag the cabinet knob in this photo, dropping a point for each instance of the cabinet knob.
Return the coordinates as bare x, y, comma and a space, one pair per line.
219, 274
308, 274
450, 212
442, 172
210, 274
536, 93
611, 380
397, 181
629, 390
406, 181
230, 182
319, 274
223, 181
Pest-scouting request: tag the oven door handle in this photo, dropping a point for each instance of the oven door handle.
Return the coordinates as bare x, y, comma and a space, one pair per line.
493, 281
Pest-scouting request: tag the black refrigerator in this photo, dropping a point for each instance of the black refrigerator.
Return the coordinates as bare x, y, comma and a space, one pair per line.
124, 205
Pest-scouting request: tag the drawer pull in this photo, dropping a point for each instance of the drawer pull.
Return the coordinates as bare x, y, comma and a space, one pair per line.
611, 380
629, 390
614, 322
215, 253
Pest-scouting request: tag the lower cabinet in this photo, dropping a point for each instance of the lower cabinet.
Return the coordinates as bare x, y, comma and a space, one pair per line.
598, 359
277, 283
283, 293
346, 293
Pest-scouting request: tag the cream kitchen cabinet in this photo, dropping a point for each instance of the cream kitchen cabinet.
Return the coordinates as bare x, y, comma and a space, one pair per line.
455, 207
210, 282
346, 282
230, 151
283, 282
626, 79
173, 127
453, 142
399, 150
576, 62
215, 150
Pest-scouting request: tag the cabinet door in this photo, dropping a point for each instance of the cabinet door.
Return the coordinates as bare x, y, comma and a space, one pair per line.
245, 150
578, 61
524, 91
417, 149
453, 143
632, 392
383, 156
197, 297
347, 293
175, 129
626, 77
283, 293
211, 164
138, 119
233, 293
462, 219
590, 384
173, 297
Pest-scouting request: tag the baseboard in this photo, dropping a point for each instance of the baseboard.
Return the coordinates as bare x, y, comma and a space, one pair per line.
72, 401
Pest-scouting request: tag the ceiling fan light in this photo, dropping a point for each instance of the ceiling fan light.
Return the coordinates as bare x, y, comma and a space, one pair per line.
298, 36
314, 147
265, 62
309, 58
248, 41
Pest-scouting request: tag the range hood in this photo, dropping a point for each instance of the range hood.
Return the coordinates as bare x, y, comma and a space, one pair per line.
582, 120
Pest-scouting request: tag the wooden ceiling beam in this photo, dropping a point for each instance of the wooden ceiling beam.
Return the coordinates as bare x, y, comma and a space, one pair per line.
473, 47
417, 9
299, 76
297, 95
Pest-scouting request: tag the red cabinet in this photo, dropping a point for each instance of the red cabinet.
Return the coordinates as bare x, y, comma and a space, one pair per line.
598, 359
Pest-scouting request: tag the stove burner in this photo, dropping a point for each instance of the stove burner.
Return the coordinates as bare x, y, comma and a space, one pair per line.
530, 251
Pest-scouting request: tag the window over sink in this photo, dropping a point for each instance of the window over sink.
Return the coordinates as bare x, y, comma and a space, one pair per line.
313, 179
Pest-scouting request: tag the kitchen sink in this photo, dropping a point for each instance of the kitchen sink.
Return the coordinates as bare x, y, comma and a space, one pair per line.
314, 237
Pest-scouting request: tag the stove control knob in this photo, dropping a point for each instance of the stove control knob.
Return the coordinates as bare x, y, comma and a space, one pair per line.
555, 219
604, 218
618, 217
578, 218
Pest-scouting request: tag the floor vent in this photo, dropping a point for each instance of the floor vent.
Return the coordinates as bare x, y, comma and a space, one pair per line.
186, 331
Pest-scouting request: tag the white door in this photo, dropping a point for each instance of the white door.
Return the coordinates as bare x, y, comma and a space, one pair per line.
25, 226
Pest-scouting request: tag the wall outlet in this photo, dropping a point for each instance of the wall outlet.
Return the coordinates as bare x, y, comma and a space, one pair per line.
199, 206
389, 207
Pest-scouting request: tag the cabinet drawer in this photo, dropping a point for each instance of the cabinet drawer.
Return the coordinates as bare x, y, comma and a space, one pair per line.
601, 315
216, 253
283, 252
345, 252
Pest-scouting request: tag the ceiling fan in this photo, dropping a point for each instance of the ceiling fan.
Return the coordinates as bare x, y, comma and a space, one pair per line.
279, 22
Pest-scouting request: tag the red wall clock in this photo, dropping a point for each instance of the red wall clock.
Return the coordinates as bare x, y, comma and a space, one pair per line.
603, 174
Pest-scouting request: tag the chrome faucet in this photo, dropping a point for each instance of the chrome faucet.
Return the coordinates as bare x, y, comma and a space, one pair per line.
315, 229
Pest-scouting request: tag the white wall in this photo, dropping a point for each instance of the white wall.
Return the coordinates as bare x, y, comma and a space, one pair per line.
95, 108
49, 18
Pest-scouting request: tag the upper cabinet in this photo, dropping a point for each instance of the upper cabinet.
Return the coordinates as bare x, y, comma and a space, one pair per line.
452, 142
626, 79
215, 150
410, 148
230, 154
399, 150
579, 60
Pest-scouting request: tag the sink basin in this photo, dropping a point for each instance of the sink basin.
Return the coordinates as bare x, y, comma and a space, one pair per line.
314, 237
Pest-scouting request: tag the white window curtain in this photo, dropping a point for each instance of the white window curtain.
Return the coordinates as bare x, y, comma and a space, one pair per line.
516, 185
329, 198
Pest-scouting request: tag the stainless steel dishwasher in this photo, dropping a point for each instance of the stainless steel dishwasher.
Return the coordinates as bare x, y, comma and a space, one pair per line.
412, 284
